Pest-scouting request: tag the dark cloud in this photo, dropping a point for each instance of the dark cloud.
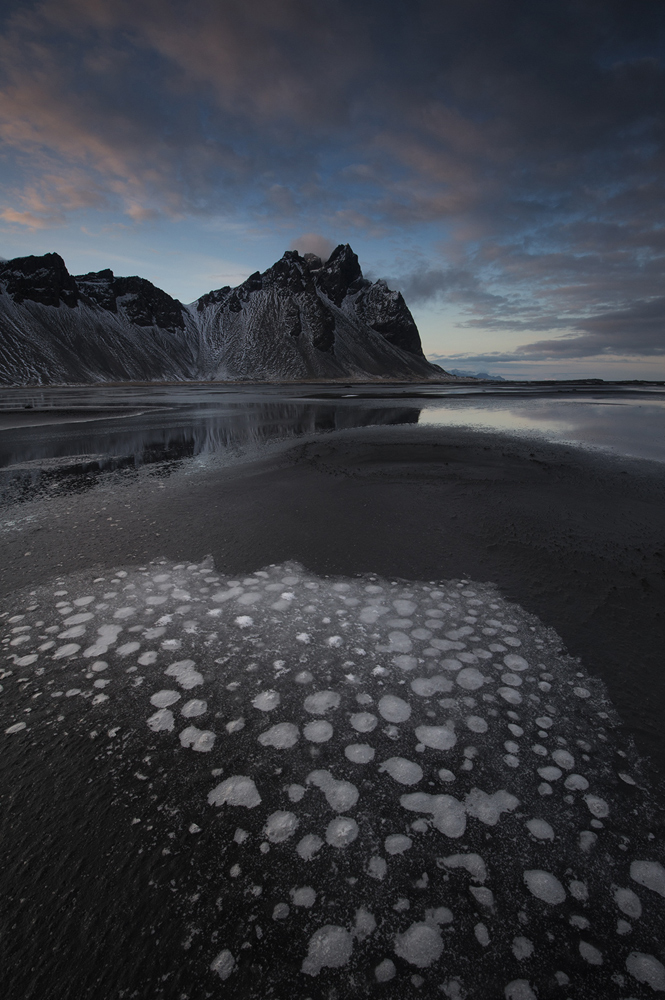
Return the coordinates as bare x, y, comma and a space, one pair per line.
529, 134
637, 330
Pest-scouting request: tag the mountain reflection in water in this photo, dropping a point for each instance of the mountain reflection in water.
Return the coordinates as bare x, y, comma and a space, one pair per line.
69, 456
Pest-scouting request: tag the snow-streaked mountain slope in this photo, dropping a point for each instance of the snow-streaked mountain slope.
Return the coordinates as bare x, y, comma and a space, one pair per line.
56, 328
303, 319
300, 319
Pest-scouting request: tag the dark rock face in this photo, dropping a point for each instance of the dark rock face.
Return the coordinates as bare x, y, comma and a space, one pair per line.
39, 279
387, 313
143, 303
146, 305
301, 319
98, 287
341, 274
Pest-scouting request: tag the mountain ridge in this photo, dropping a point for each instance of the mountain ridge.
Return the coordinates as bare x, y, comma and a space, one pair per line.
301, 319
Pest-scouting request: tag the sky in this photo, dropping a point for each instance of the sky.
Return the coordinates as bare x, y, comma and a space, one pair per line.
500, 162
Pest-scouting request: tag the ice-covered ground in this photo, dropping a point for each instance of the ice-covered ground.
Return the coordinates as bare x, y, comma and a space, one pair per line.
409, 788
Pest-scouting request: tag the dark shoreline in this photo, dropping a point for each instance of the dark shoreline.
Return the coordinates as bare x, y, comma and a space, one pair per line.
573, 536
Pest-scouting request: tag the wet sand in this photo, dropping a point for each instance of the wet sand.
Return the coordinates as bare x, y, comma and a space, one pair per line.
575, 537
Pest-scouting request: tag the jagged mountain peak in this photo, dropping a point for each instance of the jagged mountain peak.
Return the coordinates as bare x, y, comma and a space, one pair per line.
340, 274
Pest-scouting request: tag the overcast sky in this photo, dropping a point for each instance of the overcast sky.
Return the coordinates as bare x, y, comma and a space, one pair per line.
500, 161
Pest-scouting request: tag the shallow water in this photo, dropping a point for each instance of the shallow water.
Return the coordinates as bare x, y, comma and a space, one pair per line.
625, 425
60, 438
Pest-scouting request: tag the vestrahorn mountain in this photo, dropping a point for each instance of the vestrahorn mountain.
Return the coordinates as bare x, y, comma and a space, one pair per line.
302, 319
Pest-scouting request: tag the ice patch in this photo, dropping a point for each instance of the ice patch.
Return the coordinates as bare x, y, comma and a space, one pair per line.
576, 783
394, 709
519, 989
488, 808
18, 727
549, 773
510, 695
321, 702
545, 886
318, 732
482, 935
330, 947
363, 722
540, 829
629, 903
185, 674
476, 724
305, 896
402, 770
341, 831
590, 954
161, 721
127, 648
195, 707
340, 795
162, 699
239, 790
448, 815
646, 969
563, 759
420, 945
515, 662
282, 736
78, 619
65, 651
437, 737
280, 826
597, 807
201, 740
522, 948
470, 678
427, 686
650, 874
359, 753
405, 663
223, 964
397, 843
377, 867
404, 607
266, 701
309, 846
473, 863
385, 971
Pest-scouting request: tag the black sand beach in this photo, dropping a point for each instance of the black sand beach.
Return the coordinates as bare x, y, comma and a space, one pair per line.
95, 906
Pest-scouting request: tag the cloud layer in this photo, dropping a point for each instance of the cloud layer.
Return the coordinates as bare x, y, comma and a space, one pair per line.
524, 141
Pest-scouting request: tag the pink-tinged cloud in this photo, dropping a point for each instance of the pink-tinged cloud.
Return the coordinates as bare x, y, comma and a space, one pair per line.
27, 219
313, 243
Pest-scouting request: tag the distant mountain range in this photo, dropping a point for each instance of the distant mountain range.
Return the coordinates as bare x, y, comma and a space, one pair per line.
481, 375
302, 319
